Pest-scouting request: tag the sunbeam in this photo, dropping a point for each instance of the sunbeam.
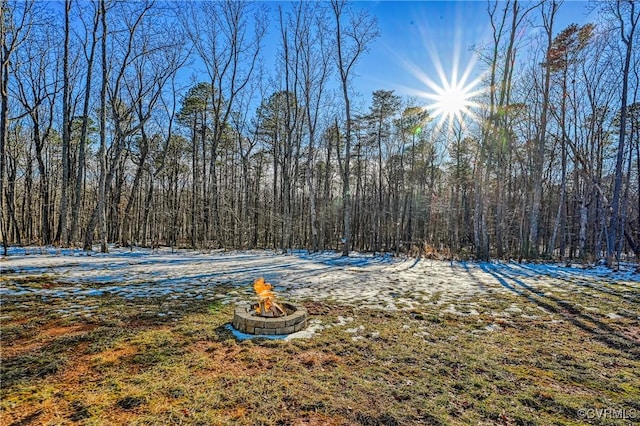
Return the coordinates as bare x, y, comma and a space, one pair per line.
452, 96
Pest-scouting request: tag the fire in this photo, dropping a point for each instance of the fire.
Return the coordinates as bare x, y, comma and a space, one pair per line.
266, 303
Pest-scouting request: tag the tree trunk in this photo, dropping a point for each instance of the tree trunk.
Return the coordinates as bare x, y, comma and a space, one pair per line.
98, 217
62, 232
4, 126
75, 215
541, 139
615, 225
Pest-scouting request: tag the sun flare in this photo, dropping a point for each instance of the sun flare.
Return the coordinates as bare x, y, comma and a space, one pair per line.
452, 93
452, 101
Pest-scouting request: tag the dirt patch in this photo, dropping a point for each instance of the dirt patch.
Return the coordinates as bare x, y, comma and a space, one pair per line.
632, 333
45, 336
112, 356
316, 419
240, 360
317, 359
324, 309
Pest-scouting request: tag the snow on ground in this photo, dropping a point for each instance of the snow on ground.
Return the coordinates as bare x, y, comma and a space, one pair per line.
364, 280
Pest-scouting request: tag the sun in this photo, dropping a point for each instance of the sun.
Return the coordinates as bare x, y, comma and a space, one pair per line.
453, 92
452, 101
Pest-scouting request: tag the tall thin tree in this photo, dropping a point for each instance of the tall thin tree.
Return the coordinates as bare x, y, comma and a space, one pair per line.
62, 232
628, 17
353, 33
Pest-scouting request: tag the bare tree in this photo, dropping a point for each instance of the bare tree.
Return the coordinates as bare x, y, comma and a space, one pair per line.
62, 232
157, 59
567, 45
628, 18
229, 51
496, 133
353, 33
121, 114
304, 171
36, 88
548, 17
481, 235
90, 43
16, 19
99, 215
385, 104
314, 63
292, 118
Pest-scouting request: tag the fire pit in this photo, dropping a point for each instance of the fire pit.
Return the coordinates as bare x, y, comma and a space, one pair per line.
247, 320
268, 317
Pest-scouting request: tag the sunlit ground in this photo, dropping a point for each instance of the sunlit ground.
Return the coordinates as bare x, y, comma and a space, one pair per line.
130, 363
142, 338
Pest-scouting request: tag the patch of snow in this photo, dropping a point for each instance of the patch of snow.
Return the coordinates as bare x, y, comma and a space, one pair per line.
314, 327
452, 309
613, 315
373, 307
343, 321
361, 280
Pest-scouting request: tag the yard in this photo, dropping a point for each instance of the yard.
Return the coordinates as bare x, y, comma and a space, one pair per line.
141, 337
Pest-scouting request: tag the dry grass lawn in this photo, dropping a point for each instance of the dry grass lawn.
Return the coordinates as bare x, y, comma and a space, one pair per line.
123, 363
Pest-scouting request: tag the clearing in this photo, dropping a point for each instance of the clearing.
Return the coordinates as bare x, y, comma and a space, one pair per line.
142, 337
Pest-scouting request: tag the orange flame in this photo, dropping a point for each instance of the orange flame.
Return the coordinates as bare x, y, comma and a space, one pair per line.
266, 302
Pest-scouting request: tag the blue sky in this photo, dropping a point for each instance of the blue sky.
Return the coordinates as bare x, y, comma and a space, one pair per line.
414, 36
421, 32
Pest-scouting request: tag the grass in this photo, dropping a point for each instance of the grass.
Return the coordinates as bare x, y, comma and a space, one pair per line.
127, 361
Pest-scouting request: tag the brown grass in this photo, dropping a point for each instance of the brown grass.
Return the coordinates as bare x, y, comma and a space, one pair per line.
126, 365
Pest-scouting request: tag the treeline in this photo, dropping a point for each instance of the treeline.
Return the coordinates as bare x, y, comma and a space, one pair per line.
105, 138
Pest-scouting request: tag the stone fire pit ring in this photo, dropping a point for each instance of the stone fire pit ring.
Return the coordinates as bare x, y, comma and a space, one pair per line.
246, 320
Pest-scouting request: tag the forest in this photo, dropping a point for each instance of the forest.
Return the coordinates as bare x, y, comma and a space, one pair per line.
107, 137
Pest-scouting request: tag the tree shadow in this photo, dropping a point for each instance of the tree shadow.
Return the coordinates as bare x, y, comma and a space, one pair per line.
570, 279
601, 331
